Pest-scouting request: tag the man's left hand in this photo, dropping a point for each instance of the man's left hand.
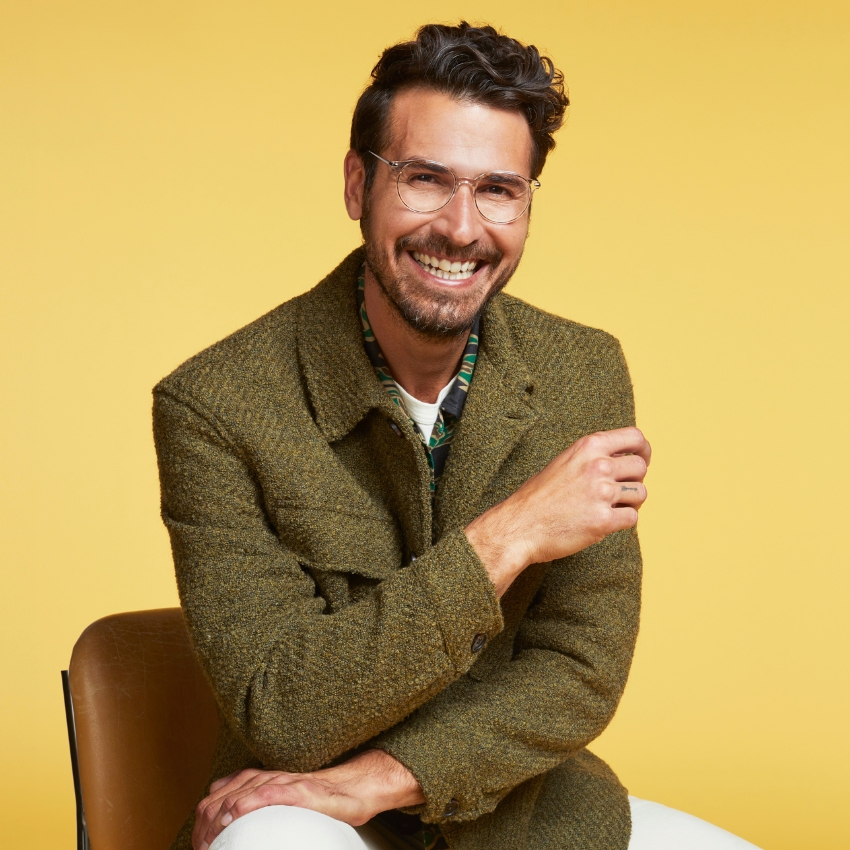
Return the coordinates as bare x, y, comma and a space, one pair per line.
353, 792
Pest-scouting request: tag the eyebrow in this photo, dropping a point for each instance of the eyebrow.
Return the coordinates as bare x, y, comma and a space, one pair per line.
503, 176
423, 158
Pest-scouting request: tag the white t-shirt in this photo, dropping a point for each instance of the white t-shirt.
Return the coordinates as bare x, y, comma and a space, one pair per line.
422, 413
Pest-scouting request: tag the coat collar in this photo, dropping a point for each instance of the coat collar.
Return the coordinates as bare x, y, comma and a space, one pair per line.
340, 380
343, 388
499, 411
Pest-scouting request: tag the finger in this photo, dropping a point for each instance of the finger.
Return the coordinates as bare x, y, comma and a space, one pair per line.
209, 809
247, 800
220, 783
626, 441
206, 811
623, 518
218, 818
629, 494
628, 468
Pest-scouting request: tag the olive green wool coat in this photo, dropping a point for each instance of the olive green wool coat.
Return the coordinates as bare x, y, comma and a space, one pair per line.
333, 610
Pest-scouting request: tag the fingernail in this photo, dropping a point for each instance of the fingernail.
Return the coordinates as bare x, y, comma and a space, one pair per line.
226, 819
204, 846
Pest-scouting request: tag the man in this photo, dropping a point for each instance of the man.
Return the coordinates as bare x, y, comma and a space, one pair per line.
402, 505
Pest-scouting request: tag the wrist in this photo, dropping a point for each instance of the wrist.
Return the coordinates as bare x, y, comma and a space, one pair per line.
380, 781
499, 546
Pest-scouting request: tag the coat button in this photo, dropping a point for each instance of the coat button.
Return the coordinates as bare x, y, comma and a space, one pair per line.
478, 642
396, 429
451, 808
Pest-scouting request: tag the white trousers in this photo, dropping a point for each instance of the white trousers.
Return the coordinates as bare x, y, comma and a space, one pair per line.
654, 827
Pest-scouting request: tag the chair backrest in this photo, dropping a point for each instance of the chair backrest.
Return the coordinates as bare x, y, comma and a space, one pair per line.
146, 724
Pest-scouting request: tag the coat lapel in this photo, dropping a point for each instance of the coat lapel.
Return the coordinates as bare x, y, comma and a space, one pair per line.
498, 412
343, 389
341, 382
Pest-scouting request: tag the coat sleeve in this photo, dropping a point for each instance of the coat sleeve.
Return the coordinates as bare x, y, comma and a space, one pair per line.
299, 685
555, 688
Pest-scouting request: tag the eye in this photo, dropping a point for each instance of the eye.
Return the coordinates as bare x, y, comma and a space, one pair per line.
424, 175
495, 190
422, 178
502, 187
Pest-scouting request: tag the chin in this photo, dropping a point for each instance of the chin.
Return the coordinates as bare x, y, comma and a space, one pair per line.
438, 310
437, 306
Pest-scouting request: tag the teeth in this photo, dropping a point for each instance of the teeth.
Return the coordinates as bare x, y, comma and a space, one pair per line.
445, 269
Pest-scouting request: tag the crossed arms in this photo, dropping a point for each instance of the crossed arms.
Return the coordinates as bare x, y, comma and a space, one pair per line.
557, 692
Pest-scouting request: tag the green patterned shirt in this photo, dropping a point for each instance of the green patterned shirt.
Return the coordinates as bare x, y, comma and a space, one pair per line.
438, 441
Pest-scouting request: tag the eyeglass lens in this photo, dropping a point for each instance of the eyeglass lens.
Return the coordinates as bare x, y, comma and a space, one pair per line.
428, 186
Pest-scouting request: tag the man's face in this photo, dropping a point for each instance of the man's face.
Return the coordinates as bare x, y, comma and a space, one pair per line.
471, 139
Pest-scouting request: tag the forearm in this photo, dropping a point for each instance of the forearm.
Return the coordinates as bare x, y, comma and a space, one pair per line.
497, 737
304, 686
551, 691
300, 679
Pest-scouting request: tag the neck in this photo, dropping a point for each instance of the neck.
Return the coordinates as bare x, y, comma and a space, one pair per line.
422, 365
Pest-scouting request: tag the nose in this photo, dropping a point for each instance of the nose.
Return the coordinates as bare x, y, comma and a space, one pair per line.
459, 220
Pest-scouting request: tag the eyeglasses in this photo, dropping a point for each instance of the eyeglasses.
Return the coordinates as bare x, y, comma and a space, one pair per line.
425, 187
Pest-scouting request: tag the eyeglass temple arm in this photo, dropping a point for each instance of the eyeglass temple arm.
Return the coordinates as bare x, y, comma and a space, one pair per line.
390, 164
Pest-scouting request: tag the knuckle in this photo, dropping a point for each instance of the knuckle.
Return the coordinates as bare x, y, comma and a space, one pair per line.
590, 441
240, 807
607, 491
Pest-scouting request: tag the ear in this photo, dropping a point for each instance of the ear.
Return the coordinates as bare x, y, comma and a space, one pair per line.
355, 182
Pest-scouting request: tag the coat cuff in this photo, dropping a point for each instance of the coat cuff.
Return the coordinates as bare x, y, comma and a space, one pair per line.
464, 600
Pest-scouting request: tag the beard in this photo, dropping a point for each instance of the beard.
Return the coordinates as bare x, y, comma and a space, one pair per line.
431, 312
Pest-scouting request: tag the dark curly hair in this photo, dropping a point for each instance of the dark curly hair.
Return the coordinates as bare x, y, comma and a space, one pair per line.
477, 64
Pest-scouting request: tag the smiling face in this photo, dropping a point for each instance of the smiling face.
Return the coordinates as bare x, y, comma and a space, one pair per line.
407, 253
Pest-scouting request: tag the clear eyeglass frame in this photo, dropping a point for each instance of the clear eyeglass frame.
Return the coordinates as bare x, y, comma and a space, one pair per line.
398, 167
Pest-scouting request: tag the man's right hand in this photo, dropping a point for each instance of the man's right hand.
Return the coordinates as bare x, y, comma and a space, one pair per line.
590, 490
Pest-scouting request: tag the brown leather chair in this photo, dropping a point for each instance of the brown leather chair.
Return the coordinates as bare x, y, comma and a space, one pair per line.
142, 724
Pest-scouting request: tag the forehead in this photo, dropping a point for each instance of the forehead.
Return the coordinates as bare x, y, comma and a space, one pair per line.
469, 137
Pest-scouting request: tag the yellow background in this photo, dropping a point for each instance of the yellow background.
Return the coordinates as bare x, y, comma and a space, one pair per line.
171, 170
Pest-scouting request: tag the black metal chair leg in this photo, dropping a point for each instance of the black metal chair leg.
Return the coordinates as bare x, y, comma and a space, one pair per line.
82, 832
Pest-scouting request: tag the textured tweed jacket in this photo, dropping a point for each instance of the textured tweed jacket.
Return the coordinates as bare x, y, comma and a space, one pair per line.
333, 610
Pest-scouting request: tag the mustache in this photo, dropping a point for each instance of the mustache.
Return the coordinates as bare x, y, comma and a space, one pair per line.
436, 244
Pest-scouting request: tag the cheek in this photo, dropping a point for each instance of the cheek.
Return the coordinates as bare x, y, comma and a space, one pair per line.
387, 224
511, 244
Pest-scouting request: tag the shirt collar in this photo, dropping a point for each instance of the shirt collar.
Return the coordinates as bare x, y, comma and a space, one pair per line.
339, 378
456, 397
